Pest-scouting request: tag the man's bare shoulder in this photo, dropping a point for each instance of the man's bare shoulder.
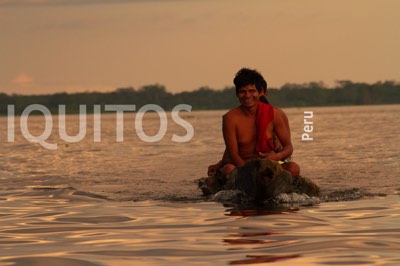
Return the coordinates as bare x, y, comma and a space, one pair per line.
231, 114
277, 109
281, 112
279, 117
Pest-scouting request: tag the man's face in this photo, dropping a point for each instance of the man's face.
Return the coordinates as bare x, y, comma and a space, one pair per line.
248, 96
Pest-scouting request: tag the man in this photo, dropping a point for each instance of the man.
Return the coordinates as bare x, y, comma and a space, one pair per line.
240, 132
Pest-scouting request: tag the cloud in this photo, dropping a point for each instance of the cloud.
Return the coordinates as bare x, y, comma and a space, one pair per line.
23, 80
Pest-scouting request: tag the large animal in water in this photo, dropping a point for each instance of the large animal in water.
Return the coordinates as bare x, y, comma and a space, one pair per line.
259, 179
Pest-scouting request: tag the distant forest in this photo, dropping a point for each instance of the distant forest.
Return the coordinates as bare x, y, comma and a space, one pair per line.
289, 95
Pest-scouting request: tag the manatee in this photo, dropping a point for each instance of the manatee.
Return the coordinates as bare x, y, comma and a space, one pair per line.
259, 179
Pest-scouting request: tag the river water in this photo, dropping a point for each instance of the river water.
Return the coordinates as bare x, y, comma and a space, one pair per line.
137, 203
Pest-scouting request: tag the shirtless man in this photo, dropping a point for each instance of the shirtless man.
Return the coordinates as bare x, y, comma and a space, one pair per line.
240, 132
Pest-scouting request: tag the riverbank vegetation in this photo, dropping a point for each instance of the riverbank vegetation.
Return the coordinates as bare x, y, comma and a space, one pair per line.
289, 95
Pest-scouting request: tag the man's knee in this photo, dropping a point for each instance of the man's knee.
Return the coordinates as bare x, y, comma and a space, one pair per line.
292, 167
227, 168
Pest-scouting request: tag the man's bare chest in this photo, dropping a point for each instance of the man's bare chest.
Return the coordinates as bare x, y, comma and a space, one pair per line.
246, 131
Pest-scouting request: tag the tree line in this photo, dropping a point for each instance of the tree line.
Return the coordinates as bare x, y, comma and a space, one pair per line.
289, 95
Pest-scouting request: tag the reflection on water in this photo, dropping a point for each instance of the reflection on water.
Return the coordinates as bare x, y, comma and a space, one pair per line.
57, 231
262, 258
258, 211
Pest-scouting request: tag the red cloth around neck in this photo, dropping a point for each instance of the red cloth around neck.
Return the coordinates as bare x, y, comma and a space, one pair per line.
265, 114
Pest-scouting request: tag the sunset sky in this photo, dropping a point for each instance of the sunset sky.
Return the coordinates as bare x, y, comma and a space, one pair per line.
51, 46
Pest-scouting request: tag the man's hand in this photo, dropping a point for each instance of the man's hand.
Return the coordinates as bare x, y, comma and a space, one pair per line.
212, 169
270, 156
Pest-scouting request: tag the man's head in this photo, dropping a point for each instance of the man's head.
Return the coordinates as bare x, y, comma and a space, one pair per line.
247, 76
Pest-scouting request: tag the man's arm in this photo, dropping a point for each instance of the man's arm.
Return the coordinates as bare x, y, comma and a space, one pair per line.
230, 138
285, 119
212, 169
277, 144
281, 130
283, 134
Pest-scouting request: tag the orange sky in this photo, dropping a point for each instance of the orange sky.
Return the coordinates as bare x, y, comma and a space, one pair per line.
86, 45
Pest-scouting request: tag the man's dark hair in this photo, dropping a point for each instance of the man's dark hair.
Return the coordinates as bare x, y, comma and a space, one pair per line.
246, 76
264, 87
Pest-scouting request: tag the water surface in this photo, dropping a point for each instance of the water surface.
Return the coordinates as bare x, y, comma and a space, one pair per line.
136, 203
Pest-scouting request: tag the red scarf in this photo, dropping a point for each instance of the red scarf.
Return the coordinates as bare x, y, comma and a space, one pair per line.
265, 114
